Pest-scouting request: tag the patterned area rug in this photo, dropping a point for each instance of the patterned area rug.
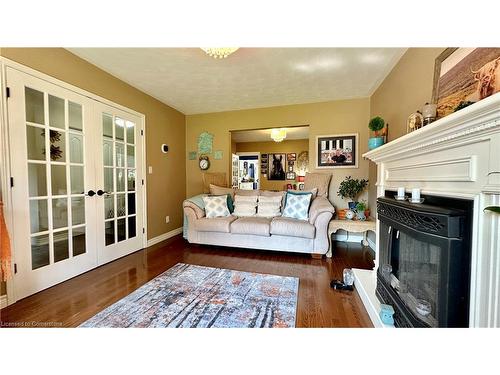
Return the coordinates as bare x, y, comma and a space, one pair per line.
197, 296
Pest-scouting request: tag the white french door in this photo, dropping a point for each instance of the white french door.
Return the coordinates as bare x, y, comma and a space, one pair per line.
75, 163
119, 177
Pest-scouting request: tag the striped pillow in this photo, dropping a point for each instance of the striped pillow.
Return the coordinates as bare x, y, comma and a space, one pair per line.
269, 206
245, 205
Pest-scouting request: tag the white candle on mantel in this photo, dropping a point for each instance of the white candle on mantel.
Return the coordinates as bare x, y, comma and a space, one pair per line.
401, 192
415, 195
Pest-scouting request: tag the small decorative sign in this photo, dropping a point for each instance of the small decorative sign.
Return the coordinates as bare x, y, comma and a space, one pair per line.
218, 155
205, 143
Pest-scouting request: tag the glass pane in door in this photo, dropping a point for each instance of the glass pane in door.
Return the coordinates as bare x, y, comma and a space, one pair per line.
40, 252
55, 181
56, 112
119, 174
35, 108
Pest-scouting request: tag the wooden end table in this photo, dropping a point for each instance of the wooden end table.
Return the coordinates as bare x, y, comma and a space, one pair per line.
355, 226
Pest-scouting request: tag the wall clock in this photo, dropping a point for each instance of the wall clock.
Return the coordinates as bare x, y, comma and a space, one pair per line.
204, 163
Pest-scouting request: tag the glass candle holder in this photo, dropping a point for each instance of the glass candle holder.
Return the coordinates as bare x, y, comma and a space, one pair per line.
348, 276
386, 272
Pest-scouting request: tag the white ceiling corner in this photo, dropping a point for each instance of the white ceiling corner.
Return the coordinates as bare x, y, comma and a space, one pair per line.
192, 82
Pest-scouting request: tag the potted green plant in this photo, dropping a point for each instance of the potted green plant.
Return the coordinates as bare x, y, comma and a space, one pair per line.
361, 210
351, 188
495, 209
376, 124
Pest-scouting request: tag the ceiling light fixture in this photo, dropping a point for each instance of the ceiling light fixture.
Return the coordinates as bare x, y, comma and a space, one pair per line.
277, 135
219, 53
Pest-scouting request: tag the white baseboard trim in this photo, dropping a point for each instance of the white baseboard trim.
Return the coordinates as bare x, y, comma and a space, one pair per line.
357, 238
3, 301
164, 236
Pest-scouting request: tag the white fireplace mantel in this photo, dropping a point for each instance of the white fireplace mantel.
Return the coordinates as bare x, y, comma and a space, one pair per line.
456, 156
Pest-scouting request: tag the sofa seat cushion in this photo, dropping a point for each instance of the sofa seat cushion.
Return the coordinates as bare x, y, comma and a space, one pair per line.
216, 224
259, 226
285, 226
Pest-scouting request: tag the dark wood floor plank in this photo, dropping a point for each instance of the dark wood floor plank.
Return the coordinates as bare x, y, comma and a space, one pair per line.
74, 301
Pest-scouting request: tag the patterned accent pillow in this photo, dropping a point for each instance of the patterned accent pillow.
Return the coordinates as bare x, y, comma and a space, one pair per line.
230, 204
314, 192
216, 206
297, 205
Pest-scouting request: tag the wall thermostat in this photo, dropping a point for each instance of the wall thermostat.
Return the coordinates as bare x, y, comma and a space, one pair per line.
164, 148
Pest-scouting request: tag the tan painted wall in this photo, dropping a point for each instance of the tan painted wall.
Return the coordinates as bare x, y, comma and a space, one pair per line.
166, 186
406, 89
296, 146
335, 117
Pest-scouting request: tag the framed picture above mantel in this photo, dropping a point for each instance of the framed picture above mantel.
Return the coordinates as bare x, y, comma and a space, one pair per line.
337, 151
463, 76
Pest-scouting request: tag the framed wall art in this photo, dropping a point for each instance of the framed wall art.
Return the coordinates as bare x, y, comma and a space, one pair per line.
276, 170
463, 76
337, 151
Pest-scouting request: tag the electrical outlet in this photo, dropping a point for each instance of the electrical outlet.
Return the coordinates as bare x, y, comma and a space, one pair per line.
167, 219
150, 169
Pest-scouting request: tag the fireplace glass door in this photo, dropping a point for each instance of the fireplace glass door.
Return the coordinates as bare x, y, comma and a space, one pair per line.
415, 275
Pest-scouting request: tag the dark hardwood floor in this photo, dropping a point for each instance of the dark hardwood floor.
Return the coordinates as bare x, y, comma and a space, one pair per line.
74, 301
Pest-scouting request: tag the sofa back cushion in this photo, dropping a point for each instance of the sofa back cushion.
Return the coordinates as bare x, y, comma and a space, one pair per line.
320, 181
247, 192
245, 205
220, 190
297, 205
269, 206
216, 206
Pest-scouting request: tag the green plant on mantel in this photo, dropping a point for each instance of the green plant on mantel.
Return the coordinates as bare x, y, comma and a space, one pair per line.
376, 124
495, 209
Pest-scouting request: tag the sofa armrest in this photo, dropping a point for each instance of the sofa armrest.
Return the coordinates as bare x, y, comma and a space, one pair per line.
192, 209
318, 206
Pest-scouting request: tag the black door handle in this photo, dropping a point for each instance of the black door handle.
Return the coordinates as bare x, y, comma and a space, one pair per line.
91, 193
101, 192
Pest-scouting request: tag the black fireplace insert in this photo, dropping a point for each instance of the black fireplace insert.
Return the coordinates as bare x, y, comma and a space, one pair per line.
424, 267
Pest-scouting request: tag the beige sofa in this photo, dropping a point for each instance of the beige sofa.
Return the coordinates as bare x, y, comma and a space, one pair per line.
279, 233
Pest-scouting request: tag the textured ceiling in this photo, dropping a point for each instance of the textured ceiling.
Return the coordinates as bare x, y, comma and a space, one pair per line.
192, 82
264, 135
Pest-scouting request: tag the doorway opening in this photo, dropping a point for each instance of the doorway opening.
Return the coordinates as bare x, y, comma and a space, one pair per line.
270, 159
